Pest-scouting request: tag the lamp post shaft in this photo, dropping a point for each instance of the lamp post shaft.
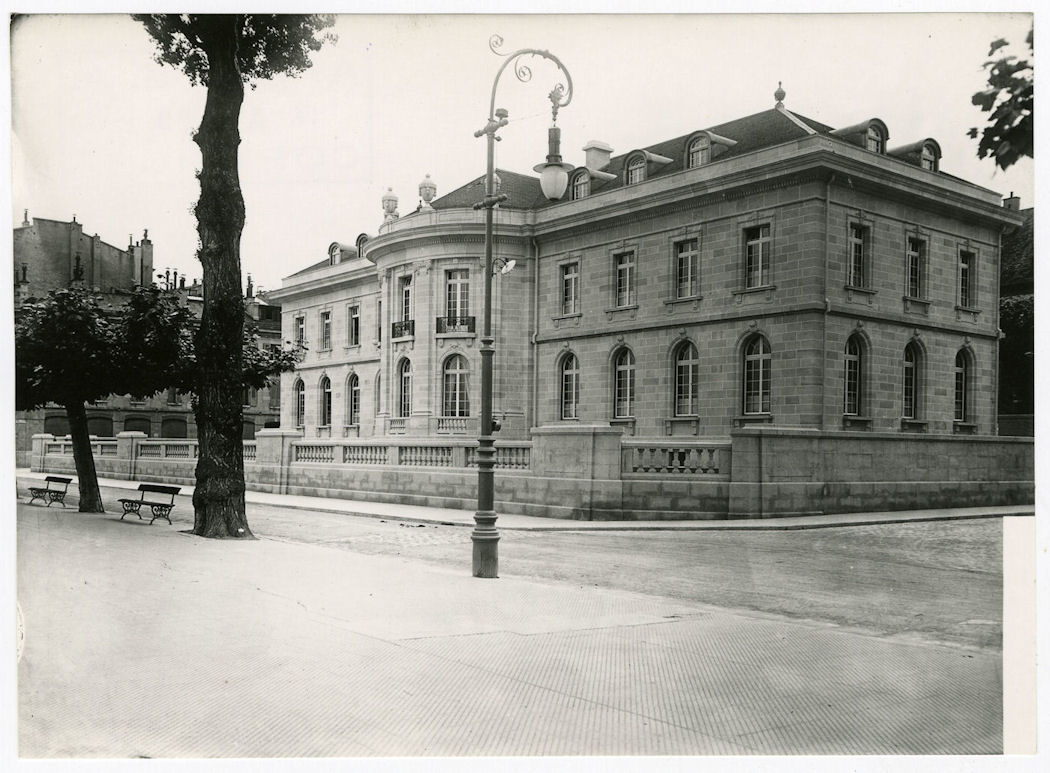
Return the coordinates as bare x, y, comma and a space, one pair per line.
485, 535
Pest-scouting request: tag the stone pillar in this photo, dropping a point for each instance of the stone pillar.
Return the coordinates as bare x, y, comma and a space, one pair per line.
127, 452
40, 441
273, 459
589, 456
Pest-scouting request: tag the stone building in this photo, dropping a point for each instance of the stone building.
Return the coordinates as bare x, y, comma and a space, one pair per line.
760, 278
50, 254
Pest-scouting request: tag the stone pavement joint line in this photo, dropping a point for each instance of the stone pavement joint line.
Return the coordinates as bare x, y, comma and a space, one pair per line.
148, 642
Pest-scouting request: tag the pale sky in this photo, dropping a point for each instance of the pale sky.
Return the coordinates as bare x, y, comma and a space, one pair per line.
103, 132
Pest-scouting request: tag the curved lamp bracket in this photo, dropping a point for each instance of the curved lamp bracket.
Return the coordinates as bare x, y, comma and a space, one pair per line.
560, 96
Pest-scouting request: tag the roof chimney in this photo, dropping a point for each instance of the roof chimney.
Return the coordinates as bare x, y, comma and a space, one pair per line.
598, 154
1012, 202
250, 292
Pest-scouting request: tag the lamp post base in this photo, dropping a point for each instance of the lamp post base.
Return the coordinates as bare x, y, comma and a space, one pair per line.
486, 545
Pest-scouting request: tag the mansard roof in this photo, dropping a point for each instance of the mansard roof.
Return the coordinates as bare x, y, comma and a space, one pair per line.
770, 127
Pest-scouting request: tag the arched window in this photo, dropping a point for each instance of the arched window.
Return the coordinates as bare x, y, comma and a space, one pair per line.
853, 362
875, 138
300, 403
353, 400
325, 407
404, 402
100, 426
686, 381
570, 387
758, 362
581, 186
912, 381
635, 170
456, 387
699, 151
963, 408
623, 384
927, 158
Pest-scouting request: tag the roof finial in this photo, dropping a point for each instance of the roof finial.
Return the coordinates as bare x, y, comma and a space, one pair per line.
779, 94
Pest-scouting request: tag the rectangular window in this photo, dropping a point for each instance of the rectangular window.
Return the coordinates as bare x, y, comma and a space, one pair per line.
960, 394
966, 279
756, 258
379, 320
353, 326
688, 284
624, 279
457, 293
300, 330
916, 268
856, 271
570, 288
326, 330
405, 291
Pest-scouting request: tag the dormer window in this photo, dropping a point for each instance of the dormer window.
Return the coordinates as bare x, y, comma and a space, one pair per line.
635, 170
333, 254
927, 158
876, 142
581, 186
699, 151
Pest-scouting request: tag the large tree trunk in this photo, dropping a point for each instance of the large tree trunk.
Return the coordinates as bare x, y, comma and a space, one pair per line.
218, 499
87, 479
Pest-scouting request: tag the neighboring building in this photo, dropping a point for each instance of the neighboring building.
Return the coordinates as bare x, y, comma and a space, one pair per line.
1016, 318
769, 271
49, 254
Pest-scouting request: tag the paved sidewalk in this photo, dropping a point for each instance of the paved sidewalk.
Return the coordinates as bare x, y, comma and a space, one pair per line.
509, 521
147, 641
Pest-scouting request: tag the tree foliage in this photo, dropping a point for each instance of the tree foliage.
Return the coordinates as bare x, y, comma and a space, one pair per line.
267, 44
1010, 101
63, 350
71, 350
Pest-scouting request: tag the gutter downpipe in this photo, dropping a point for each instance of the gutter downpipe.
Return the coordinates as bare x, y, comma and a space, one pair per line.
998, 334
533, 420
827, 304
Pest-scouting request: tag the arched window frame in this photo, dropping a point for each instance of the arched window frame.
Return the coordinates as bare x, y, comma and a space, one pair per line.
324, 404
699, 151
455, 387
928, 157
635, 169
686, 380
758, 373
912, 382
623, 373
404, 388
581, 185
875, 140
299, 390
353, 400
853, 377
569, 387
964, 374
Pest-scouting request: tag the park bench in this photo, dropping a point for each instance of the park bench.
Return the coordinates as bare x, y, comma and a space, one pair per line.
47, 494
160, 509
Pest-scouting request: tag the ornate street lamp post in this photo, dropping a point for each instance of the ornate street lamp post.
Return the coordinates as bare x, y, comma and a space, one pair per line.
553, 179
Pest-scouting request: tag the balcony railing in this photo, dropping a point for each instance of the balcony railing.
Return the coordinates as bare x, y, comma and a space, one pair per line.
455, 324
403, 328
